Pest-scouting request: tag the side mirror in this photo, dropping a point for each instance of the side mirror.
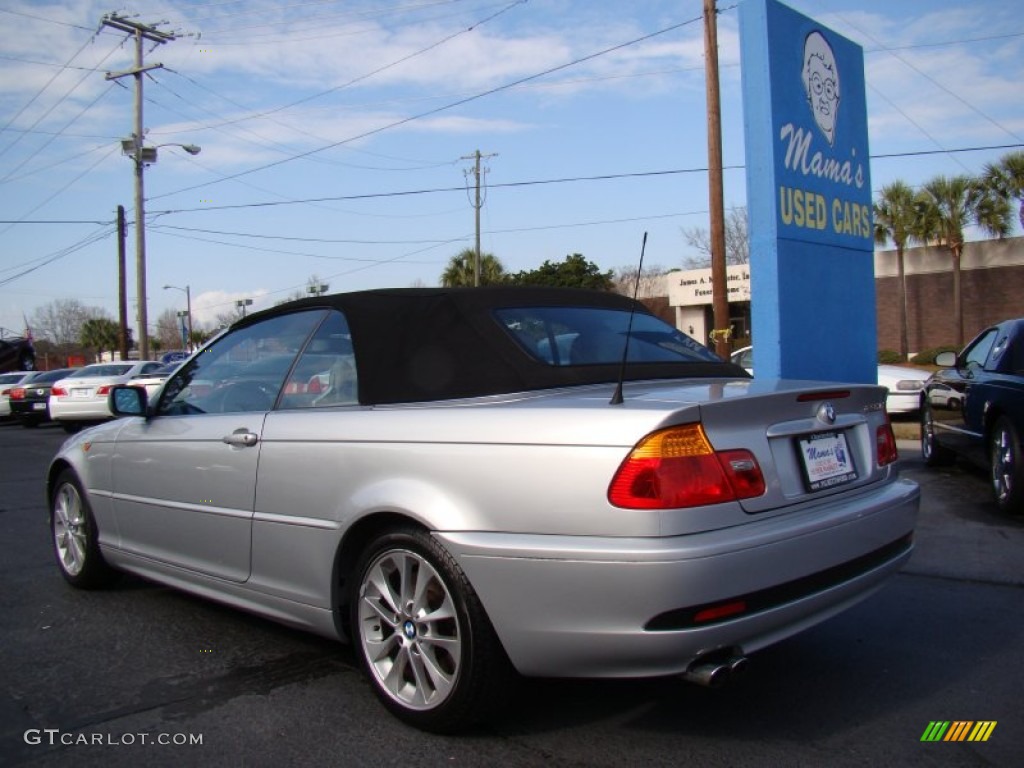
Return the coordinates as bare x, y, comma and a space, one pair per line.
946, 359
126, 400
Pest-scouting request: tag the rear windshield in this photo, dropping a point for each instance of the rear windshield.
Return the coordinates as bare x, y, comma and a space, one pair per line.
103, 370
577, 336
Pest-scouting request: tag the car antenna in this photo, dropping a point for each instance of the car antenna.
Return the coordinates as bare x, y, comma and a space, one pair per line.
617, 397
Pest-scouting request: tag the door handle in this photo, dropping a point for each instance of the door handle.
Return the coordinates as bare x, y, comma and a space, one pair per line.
241, 437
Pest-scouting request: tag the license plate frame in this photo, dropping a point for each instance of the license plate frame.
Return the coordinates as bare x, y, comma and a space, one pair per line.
826, 460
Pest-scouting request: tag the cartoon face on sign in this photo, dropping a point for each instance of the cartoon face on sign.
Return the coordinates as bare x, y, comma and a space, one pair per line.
821, 83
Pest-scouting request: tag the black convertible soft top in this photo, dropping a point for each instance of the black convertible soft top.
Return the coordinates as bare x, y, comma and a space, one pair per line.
422, 344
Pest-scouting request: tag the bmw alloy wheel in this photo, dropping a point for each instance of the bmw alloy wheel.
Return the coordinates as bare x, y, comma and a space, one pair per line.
409, 630
75, 537
70, 534
422, 635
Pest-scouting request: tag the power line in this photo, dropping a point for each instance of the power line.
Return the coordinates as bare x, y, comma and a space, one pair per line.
443, 108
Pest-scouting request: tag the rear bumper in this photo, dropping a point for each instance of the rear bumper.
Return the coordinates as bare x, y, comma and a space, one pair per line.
597, 607
86, 409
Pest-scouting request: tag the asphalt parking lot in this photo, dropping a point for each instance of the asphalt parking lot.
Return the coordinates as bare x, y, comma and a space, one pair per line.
941, 642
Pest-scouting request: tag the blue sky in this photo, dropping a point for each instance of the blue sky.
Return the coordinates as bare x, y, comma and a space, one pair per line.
335, 135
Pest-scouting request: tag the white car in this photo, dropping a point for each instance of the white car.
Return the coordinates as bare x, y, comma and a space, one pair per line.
904, 383
83, 397
9, 381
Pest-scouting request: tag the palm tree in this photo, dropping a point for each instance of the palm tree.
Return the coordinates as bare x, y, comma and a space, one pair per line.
101, 334
948, 206
460, 270
1006, 178
896, 218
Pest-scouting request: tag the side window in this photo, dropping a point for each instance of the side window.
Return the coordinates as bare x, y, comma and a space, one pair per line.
325, 373
241, 371
976, 356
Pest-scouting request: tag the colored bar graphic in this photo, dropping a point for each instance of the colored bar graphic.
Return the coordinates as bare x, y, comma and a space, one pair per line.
958, 730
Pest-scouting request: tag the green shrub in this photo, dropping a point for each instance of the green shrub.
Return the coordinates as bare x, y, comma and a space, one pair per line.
890, 357
927, 356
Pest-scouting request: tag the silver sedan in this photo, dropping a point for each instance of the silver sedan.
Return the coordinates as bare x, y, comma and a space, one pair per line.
469, 484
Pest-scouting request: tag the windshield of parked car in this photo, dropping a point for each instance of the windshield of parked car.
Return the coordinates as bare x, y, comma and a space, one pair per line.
597, 336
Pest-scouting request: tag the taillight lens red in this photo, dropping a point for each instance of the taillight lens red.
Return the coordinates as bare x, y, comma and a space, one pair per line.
678, 467
18, 393
104, 390
58, 392
885, 441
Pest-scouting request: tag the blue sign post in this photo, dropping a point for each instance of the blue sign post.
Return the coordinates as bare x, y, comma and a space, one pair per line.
808, 198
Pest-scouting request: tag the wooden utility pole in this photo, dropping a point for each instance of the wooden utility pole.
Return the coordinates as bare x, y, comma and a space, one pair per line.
122, 292
477, 204
141, 32
719, 278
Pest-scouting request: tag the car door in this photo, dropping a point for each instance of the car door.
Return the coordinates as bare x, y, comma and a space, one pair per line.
184, 477
961, 421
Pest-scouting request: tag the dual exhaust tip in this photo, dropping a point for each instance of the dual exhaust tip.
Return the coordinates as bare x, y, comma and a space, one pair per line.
716, 673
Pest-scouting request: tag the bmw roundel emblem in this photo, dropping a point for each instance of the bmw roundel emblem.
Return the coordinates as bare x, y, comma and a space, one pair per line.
827, 413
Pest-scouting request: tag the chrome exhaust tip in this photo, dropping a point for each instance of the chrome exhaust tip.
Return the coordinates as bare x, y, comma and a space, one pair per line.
715, 674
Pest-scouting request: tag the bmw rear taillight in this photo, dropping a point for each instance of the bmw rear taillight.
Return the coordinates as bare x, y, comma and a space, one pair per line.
18, 393
678, 467
885, 442
58, 392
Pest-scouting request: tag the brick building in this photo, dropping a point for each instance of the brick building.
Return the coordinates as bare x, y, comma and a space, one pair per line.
991, 288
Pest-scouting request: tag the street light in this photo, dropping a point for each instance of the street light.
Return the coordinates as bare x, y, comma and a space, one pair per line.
242, 304
318, 290
143, 156
188, 309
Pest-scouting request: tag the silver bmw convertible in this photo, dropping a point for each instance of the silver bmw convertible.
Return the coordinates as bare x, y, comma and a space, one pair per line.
470, 484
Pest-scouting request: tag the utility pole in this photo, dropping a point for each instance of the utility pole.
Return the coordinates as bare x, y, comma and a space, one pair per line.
122, 291
719, 278
141, 33
477, 204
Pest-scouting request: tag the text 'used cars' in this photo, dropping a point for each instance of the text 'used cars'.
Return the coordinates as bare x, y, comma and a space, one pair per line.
467, 484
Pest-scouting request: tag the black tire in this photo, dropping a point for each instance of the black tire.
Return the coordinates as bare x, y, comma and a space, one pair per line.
71, 427
437, 675
75, 537
1007, 467
935, 455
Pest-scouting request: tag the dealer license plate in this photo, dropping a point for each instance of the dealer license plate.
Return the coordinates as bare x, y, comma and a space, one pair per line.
826, 460
81, 393
38, 406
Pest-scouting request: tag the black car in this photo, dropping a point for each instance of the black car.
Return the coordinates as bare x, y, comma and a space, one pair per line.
16, 352
30, 401
975, 408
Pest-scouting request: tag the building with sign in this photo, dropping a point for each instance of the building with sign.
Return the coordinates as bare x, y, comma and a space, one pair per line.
992, 273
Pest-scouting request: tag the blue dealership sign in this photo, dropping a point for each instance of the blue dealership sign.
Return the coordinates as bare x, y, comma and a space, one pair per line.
809, 197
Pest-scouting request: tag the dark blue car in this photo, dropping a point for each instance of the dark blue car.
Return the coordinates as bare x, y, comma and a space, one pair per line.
975, 408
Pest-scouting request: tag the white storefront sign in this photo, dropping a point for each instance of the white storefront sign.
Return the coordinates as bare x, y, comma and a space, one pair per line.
696, 288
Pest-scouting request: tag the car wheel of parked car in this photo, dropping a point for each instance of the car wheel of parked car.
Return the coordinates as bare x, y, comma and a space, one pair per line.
70, 426
1007, 467
935, 455
422, 635
75, 537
